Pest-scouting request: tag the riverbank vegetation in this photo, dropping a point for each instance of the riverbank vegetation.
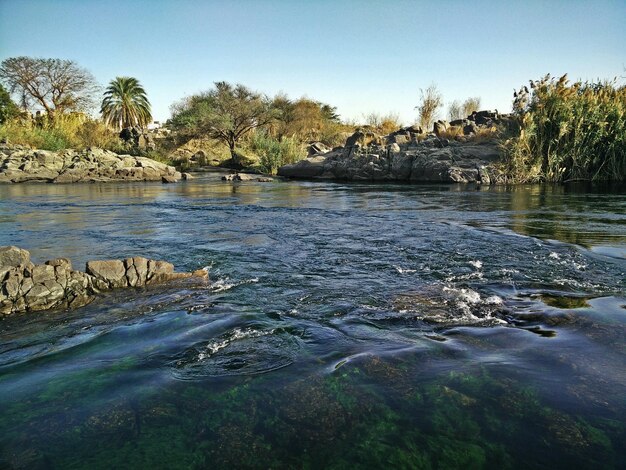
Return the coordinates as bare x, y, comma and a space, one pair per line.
569, 132
557, 132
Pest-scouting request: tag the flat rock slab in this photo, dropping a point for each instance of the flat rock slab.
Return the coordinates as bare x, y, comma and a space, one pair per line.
25, 286
20, 165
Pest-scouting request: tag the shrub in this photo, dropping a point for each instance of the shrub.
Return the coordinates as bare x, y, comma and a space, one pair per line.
274, 153
94, 133
458, 110
469, 106
383, 124
455, 111
569, 132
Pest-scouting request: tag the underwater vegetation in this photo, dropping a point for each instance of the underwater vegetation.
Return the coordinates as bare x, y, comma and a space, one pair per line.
372, 413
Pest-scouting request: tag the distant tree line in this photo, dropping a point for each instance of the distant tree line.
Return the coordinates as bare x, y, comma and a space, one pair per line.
565, 131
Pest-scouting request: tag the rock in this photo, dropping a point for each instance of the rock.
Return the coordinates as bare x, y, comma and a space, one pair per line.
470, 129
28, 287
415, 129
309, 168
141, 266
265, 180
11, 256
362, 138
393, 148
60, 262
440, 127
238, 177
483, 175
112, 272
317, 148
433, 159
200, 273
19, 165
167, 179
398, 139
186, 176
199, 158
42, 273
401, 166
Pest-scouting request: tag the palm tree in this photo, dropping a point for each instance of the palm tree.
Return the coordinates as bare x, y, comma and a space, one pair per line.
125, 104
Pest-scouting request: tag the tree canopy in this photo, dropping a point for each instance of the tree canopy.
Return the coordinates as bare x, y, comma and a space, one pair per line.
226, 113
304, 117
8, 109
55, 85
125, 104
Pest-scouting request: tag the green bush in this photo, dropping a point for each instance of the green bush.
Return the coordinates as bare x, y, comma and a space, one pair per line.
274, 153
569, 132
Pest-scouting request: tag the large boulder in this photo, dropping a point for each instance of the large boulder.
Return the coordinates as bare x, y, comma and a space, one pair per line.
308, 168
12, 256
110, 272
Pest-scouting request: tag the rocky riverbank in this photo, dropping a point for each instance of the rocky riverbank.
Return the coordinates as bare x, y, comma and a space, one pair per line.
464, 151
20, 164
33, 287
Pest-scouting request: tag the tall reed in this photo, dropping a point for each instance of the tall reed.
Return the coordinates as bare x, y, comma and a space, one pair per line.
568, 132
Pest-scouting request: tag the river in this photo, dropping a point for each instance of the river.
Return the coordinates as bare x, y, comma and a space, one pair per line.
343, 325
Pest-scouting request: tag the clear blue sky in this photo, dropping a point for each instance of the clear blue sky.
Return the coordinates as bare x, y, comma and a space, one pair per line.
359, 56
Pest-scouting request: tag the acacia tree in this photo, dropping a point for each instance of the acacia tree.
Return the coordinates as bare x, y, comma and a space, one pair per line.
302, 118
56, 85
125, 104
226, 113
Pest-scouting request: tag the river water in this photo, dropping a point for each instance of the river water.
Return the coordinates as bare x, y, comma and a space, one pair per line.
343, 325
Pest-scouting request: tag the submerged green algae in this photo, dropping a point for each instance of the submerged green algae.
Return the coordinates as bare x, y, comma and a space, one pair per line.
372, 413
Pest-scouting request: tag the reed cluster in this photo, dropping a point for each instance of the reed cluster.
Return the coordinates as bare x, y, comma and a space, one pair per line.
568, 132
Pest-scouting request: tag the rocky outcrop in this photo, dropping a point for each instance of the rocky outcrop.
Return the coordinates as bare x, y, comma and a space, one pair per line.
409, 154
25, 286
430, 160
20, 164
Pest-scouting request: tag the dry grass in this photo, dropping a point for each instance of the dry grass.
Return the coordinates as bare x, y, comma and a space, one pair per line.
73, 130
430, 103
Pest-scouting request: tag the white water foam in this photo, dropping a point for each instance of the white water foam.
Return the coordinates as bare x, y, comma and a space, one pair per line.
404, 270
225, 284
237, 334
454, 306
